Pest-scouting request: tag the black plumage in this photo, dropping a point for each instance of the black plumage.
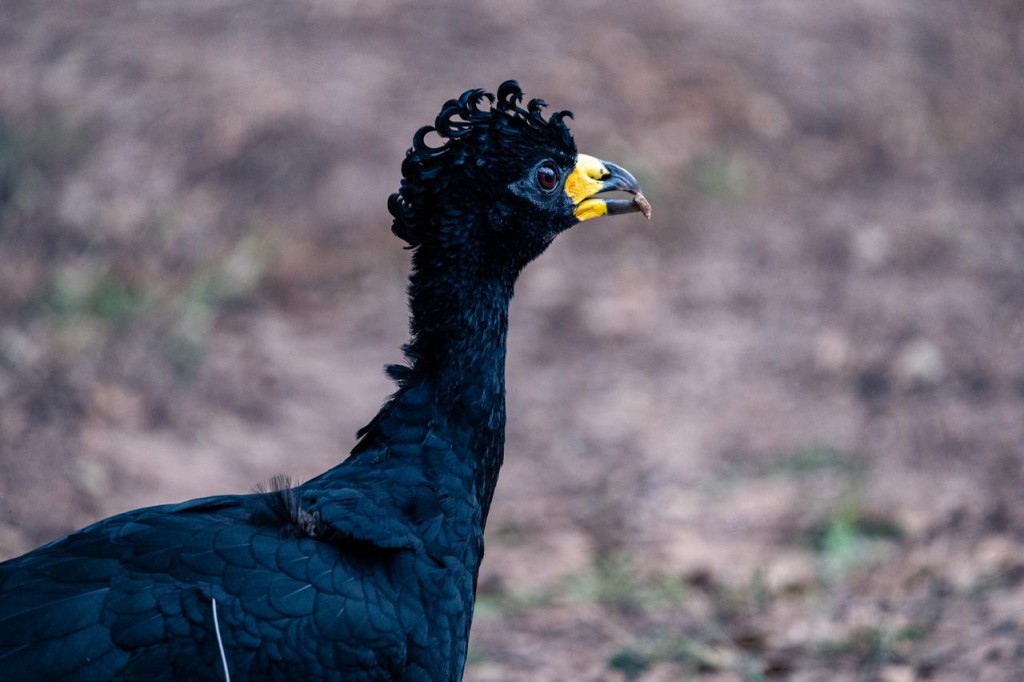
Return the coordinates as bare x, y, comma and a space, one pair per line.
368, 571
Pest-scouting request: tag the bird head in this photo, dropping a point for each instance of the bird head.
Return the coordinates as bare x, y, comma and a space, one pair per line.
504, 179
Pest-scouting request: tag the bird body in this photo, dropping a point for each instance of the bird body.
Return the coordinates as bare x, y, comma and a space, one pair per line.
368, 571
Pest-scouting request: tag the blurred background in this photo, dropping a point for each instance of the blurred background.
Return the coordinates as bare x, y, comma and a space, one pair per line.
775, 433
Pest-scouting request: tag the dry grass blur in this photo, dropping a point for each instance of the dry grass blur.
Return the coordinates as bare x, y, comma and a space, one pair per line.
776, 433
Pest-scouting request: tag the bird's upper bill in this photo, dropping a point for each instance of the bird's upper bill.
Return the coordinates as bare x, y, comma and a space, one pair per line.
591, 177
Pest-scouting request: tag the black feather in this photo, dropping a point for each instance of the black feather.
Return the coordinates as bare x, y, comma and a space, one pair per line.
368, 571
467, 131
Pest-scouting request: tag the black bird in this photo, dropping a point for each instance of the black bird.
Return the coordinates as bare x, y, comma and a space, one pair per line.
368, 571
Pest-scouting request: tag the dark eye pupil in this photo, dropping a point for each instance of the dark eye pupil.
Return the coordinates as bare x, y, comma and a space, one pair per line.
547, 177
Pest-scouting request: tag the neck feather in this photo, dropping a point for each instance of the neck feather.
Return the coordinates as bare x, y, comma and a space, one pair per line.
459, 328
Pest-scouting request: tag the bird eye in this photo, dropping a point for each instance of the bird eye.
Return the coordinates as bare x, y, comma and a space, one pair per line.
547, 177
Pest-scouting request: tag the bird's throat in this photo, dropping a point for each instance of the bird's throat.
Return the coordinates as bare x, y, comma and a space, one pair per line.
459, 330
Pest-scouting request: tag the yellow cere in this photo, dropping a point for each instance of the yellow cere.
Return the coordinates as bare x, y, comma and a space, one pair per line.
585, 180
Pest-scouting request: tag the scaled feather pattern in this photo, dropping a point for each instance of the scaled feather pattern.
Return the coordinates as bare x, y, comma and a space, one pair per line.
368, 571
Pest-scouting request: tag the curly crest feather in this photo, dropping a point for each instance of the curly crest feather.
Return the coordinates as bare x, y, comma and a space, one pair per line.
470, 133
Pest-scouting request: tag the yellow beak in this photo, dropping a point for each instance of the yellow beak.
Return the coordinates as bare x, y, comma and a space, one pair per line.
591, 177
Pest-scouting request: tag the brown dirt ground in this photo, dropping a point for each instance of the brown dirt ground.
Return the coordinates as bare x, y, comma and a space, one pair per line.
775, 433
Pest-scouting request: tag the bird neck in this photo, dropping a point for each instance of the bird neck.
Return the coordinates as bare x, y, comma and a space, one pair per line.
459, 328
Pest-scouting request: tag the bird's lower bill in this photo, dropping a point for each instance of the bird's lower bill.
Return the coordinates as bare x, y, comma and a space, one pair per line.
595, 208
591, 177
591, 208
